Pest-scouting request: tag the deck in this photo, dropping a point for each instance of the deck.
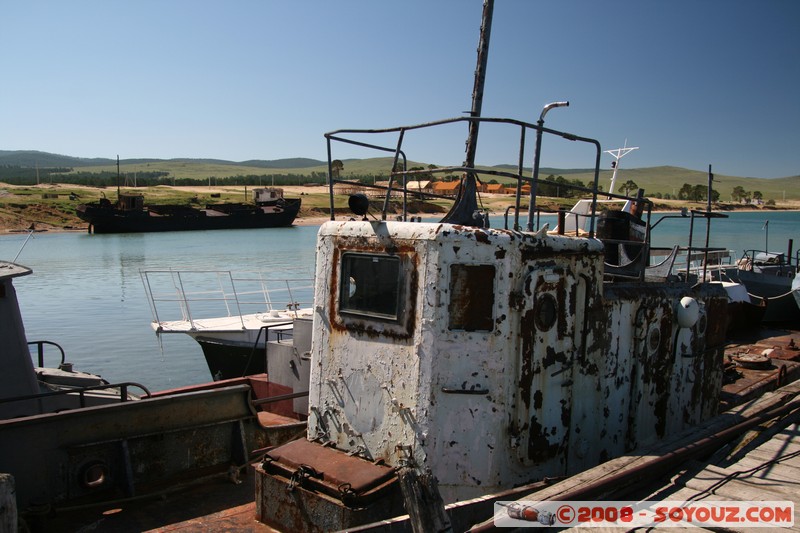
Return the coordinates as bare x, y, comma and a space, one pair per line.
765, 469
749, 452
217, 504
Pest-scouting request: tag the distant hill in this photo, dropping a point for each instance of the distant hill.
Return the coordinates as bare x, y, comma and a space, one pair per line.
295, 162
654, 180
33, 158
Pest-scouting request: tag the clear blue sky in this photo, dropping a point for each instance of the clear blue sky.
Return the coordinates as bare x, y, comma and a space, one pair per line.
691, 82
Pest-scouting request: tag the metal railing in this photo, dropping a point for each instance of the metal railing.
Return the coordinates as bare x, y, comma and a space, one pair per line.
190, 295
81, 392
399, 175
40, 351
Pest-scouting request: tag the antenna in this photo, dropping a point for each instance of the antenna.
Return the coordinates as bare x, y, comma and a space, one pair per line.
618, 154
30, 234
117, 177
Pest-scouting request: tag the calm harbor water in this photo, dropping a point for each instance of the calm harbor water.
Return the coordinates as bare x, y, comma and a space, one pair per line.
86, 291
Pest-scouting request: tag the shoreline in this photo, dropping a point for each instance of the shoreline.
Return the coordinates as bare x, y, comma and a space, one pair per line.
319, 220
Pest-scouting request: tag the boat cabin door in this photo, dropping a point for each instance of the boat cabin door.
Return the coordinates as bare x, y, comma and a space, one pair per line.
549, 320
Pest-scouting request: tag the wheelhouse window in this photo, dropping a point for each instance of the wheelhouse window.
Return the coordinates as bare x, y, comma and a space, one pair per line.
471, 304
370, 285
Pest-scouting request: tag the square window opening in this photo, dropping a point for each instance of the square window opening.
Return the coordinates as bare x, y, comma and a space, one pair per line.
371, 285
471, 306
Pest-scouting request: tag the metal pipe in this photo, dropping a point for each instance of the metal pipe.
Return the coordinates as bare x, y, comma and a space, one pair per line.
537, 152
480, 79
550, 106
282, 397
330, 178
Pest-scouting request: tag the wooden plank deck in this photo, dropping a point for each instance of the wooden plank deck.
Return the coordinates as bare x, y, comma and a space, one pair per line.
768, 469
762, 464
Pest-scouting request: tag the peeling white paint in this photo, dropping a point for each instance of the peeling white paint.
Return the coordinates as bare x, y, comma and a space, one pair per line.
527, 398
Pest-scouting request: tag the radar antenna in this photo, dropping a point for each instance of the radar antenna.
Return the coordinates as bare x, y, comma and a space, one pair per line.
617, 154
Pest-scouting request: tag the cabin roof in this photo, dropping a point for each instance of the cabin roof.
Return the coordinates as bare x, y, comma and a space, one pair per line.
437, 231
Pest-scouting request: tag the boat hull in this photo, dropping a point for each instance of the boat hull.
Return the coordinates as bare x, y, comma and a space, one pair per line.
137, 447
104, 219
227, 360
781, 306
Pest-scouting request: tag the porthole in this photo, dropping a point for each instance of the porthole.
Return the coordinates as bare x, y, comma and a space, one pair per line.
544, 311
94, 475
653, 339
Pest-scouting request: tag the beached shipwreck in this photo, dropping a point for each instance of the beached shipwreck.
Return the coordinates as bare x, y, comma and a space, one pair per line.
489, 358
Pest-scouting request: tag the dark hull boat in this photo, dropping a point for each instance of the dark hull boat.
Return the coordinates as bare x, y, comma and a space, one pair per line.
130, 215
767, 276
71, 442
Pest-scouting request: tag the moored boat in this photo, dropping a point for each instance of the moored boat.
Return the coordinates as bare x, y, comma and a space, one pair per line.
488, 358
796, 288
452, 360
231, 315
768, 276
71, 440
130, 215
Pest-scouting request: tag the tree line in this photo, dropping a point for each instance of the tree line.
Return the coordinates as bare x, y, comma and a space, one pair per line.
16, 175
553, 186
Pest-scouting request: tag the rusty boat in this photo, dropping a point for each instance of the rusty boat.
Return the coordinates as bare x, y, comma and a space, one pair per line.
455, 362
488, 358
129, 214
71, 441
452, 363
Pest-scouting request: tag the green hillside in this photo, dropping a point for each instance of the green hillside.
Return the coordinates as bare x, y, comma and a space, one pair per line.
654, 180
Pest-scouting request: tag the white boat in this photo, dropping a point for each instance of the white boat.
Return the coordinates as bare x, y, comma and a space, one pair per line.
484, 358
768, 276
452, 360
230, 314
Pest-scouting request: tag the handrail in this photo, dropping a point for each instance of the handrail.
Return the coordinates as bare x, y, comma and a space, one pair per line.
81, 391
708, 215
40, 351
265, 331
401, 172
198, 294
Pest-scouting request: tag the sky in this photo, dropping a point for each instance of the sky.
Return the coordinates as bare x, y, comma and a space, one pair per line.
692, 83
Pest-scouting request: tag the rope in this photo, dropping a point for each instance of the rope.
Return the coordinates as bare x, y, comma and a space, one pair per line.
784, 295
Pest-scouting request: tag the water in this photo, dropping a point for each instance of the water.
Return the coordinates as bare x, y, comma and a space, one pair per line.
87, 295
86, 292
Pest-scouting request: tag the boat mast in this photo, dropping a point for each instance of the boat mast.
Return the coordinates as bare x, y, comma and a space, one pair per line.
618, 154
710, 188
118, 177
466, 204
480, 79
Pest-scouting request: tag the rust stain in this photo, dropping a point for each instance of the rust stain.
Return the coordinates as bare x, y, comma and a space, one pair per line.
539, 447
527, 332
482, 237
351, 325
